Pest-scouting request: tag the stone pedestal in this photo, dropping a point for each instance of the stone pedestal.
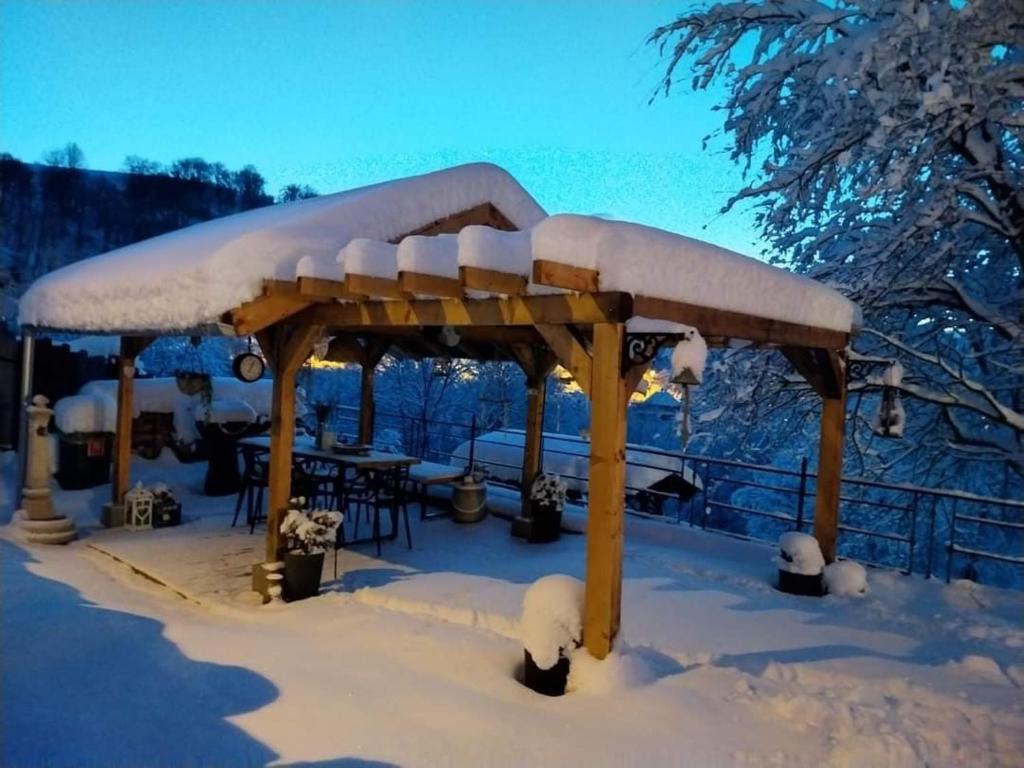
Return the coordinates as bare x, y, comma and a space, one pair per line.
38, 519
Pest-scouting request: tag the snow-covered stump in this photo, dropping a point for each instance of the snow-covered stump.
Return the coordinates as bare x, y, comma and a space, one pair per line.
801, 565
551, 626
39, 521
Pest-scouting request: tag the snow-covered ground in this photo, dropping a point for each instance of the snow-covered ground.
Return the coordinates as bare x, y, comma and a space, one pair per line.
410, 659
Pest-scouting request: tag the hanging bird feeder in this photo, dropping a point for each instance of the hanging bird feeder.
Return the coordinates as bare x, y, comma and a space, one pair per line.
891, 417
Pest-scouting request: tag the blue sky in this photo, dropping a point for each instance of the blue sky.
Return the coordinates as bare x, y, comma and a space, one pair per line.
337, 94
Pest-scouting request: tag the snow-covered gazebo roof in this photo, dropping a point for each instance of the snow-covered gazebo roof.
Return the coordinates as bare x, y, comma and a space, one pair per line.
188, 279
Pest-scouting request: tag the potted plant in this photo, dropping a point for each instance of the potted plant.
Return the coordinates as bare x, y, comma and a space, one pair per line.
547, 500
801, 565
469, 496
309, 534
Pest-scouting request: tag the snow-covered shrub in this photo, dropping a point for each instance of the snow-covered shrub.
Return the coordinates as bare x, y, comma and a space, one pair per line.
552, 618
309, 532
799, 553
548, 491
846, 578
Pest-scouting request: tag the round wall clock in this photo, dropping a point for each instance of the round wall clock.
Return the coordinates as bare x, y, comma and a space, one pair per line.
248, 367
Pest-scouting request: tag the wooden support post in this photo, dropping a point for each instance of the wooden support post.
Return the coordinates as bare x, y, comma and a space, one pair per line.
131, 347
830, 467
366, 405
372, 354
536, 393
606, 505
290, 347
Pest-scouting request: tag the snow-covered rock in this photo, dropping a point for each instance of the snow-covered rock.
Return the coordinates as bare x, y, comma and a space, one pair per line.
800, 554
846, 578
552, 618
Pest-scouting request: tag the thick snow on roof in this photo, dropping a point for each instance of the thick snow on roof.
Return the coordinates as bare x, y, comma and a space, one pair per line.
645, 261
190, 277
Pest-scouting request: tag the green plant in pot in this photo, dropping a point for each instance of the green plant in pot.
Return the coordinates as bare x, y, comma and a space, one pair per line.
547, 500
309, 534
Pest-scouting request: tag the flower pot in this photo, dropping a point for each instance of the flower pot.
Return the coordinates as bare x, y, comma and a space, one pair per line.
801, 584
547, 523
469, 502
550, 682
302, 575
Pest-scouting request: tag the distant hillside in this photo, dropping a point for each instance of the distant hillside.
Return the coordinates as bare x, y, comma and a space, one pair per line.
52, 215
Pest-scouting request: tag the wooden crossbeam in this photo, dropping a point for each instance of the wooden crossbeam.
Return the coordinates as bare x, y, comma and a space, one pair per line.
375, 287
736, 325
584, 309
565, 276
420, 284
492, 281
570, 353
325, 290
818, 367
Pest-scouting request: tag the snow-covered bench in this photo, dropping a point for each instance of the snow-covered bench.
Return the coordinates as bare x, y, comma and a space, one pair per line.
427, 473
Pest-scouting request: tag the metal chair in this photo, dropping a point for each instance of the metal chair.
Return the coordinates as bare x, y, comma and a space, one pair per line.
378, 490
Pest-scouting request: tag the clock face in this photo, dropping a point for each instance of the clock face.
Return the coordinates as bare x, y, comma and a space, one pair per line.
248, 367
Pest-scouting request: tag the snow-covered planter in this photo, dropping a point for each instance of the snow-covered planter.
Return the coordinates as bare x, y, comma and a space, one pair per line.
845, 578
166, 508
547, 500
309, 534
800, 564
551, 627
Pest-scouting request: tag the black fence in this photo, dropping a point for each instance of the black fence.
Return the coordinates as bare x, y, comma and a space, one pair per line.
911, 528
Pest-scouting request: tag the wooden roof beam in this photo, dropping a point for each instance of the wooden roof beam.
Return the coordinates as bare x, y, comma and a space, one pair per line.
570, 353
737, 325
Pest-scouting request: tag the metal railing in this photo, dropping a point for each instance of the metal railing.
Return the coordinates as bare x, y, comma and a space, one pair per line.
894, 525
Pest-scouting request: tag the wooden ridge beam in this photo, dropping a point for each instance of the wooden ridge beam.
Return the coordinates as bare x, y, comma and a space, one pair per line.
374, 287
486, 214
584, 309
492, 281
420, 284
736, 325
560, 275
570, 353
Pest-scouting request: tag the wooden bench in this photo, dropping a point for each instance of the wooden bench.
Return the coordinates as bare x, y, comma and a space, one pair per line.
425, 474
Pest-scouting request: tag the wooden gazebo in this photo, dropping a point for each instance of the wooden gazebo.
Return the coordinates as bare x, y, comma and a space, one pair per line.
559, 313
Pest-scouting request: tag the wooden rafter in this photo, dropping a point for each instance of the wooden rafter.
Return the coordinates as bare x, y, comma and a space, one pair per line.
565, 276
321, 289
419, 284
492, 281
374, 287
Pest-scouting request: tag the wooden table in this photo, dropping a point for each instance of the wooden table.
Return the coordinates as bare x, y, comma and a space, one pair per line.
372, 460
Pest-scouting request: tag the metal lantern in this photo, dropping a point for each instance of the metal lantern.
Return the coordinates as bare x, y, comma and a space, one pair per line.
138, 508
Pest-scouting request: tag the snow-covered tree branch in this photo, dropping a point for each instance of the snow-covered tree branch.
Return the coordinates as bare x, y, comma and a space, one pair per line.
882, 140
